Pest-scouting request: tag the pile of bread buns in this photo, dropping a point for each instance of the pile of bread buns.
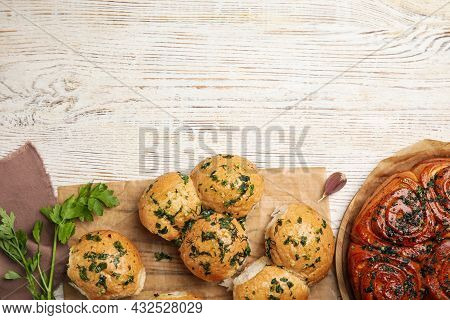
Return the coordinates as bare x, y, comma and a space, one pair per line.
299, 253
204, 215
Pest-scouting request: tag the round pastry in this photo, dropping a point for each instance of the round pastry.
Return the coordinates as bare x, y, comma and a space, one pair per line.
106, 265
381, 276
382, 222
214, 247
177, 295
299, 239
167, 204
228, 184
400, 244
260, 281
436, 272
434, 176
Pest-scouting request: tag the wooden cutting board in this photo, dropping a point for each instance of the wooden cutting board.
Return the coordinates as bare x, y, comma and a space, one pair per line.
281, 186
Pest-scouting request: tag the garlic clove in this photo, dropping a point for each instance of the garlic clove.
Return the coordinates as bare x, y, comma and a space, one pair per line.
334, 183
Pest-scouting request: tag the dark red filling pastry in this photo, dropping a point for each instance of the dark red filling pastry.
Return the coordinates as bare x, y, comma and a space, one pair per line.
400, 240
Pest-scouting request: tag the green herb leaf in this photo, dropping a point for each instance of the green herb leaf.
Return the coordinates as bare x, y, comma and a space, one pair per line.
119, 247
12, 275
106, 196
37, 229
52, 214
84, 190
102, 283
33, 263
82, 272
65, 231
93, 237
95, 206
7, 225
72, 209
90, 201
10, 249
22, 239
129, 280
100, 267
184, 177
36, 259
162, 256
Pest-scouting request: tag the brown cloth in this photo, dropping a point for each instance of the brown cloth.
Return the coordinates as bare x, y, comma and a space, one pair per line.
25, 187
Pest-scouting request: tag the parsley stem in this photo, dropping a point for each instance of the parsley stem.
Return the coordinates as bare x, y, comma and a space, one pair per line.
31, 287
25, 268
29, 275
52, 268
42, 278
41, 274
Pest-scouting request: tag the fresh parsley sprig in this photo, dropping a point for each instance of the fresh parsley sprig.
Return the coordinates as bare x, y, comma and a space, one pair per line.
90, 201
14, 244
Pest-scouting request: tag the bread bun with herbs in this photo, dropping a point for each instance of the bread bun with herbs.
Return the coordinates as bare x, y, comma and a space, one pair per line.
106, 265
168, 204
300, 239
228, 184
260, 281
214, 247
177, 295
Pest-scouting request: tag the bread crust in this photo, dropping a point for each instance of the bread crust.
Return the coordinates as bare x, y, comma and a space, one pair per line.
215, 247
228, 184
300, 239
167, 204
272, 283
106, 265
177, 295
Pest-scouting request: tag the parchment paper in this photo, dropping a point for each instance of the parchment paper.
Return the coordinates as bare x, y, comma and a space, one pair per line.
282, 186
401, 161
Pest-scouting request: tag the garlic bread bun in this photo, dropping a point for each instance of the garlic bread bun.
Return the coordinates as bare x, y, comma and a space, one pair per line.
167, 204
263, 282
106, 265
228, 184
177, 295
214, 247
299, 239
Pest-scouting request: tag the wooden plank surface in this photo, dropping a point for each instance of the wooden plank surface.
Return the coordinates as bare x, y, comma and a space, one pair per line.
361, 78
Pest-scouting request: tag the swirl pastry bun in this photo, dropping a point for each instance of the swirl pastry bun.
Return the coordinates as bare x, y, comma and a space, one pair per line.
436, 272
260, 281
106, 265
400, 247
177, 295
228, 184
299, 239
214, 247
167, 204
381, 276
434, 175
381, 224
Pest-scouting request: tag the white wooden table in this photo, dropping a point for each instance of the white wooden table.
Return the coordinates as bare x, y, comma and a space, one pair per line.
361, 78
